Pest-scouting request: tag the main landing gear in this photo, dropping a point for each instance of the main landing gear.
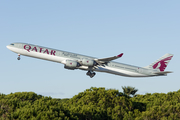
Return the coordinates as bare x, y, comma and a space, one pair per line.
91, 74
18, 57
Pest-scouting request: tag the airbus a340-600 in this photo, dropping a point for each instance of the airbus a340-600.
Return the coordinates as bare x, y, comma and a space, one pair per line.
74, 61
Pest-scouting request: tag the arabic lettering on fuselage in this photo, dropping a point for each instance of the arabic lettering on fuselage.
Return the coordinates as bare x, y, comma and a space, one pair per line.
39, 49
70, 55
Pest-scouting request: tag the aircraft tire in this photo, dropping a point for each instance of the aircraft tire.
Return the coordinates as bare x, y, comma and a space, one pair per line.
93, 74
88, 73
18, 58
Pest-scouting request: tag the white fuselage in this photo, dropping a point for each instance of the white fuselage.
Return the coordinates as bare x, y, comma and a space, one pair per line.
61, 57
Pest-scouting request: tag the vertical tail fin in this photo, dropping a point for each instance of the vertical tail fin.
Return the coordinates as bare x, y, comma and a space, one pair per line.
161, 63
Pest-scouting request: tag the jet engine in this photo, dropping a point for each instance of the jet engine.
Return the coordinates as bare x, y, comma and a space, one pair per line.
71, 65
88, 62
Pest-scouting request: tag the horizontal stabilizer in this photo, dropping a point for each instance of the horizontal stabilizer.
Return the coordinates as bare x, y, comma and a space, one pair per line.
162, 73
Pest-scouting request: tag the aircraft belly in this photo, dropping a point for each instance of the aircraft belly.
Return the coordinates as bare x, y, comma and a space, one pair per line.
119, 72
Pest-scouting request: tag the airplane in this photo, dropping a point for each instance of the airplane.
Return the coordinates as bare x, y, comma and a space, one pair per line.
74, 61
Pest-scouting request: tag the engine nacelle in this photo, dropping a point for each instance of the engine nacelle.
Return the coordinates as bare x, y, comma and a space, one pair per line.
71, 65
88, 62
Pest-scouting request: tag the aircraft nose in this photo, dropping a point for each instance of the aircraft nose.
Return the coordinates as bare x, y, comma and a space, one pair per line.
8, 46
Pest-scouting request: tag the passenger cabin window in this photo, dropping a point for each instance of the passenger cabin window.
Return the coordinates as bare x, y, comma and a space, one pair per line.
12, 44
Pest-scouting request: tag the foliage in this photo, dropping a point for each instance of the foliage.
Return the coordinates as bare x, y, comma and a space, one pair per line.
129, 90
92, 104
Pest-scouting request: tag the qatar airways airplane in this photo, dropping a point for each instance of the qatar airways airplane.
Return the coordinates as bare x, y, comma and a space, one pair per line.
73, 61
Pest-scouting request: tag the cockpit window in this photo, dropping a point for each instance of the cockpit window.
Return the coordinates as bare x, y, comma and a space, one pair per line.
12, 44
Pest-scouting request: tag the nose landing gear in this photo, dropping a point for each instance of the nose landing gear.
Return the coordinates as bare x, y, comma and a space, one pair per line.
91, 74
18, 57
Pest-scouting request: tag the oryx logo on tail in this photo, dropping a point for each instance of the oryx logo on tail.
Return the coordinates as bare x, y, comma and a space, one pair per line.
162, 64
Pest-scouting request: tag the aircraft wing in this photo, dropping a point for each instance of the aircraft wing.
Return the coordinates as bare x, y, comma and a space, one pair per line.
103, 60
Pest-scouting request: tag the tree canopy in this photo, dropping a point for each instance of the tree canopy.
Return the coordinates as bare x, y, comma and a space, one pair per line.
129, 90
92, 104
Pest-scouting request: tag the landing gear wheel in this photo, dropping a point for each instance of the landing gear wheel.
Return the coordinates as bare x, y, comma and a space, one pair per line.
18, 58
90, 74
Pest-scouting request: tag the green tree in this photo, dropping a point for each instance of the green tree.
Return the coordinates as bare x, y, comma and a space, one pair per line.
92, 104
129, 90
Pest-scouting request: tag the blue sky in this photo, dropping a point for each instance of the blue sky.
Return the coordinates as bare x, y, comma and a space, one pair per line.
142, 30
